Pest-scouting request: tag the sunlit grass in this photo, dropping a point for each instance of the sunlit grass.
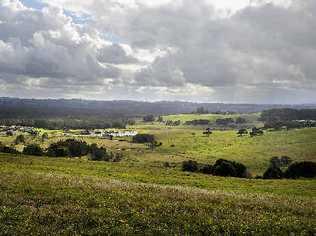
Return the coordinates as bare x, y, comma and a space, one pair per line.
140, 195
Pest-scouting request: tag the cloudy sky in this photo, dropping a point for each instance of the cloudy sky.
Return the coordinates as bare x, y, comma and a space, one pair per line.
254, 51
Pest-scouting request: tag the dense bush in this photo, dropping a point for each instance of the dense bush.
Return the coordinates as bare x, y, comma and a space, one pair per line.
190, 166
9, 133
6, 149
160, 119
99, 154
280, 162
240, 120
241, 132
206, 169
221, 168
44, 137
224, 169
173, 123
256, 131
230, 168
224, 121
75, 148
69, 147
149, 118
19, 139
285, 160
56, 150
306, 169
144, 138
273, 172
33, 150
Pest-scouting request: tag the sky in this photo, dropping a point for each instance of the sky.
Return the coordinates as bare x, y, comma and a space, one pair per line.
232, 51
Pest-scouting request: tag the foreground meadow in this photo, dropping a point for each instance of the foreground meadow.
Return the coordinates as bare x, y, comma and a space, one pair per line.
144, 195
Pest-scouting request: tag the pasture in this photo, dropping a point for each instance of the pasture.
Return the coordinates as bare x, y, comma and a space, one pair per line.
144, 195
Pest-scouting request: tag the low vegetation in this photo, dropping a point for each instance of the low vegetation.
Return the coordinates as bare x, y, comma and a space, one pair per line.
174, 179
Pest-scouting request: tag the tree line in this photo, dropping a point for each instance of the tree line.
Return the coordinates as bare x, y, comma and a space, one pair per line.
66, 148
226, 168
69, 123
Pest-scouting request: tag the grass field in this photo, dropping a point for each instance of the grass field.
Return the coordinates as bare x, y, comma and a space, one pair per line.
140, 195
252, 117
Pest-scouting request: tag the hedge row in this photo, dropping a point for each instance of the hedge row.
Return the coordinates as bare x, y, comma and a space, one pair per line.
305, 169
67, 148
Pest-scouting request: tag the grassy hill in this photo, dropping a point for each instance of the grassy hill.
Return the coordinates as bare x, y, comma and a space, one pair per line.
251, 117
143, 195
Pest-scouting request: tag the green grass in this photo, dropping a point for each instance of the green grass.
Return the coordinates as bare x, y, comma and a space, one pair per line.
182, 143
252, 117
254, 152
49, 196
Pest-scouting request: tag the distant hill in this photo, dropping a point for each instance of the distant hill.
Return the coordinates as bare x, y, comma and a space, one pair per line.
53, 108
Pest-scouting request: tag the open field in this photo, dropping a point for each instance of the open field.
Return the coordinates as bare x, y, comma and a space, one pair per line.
251, 117
142, 195
60, 196
183, 143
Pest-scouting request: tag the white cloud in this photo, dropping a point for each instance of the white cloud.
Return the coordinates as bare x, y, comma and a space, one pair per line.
258, 52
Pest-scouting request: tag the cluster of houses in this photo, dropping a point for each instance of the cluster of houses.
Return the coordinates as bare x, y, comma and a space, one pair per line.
11, 130
109, 134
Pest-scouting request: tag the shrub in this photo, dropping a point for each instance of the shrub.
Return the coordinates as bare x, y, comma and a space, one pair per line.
149, 118
241, 132
273, 172
224, 121
166, 164
224, 169
44, 136
206, 169
230, 168
54, 150
173, 123
255, 131
190, 166
285, 160
98, 154
69, 147
240, 120
19, 139
160, 119
275, 162
33, 150
144, 138
280, 162
77, 148
9, 133
6, 149
306, 169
